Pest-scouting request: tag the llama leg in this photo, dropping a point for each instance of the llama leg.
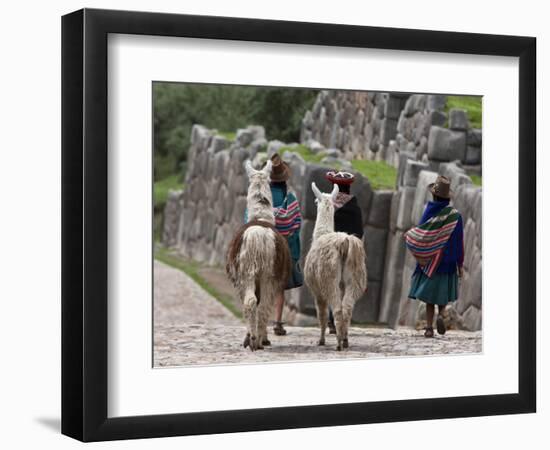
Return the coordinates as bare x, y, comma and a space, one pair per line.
265, 311
250, 310
347, 310
322, 315
340, 327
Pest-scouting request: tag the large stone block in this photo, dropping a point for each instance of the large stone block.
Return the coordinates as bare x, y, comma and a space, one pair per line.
456, 174
471, 319
422, 194
422, 149
464, 199
408, 308
238, 157
474, 137
239, 207
200, 136
405, 208
458, 119
404, 156
473, 155
393, 277
388, 130
393, 107
314, 173
218, 144
244, 137
415, 103
379, 214
221, 162
367, 308
473, 290
374, 240
446, 145
274, 147
412, 169
394, 209
171, 218
305, 303
306, 237
436, 102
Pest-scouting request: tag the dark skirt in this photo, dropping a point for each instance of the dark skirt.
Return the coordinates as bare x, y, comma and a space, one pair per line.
441, 289
296, 278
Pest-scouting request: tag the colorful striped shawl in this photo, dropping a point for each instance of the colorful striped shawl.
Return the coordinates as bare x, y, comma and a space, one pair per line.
287, 216
427, 241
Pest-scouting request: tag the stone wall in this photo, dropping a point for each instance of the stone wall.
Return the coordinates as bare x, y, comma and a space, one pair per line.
389, 127
405, 131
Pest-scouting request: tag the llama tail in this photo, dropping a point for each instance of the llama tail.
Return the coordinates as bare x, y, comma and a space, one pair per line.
354, 270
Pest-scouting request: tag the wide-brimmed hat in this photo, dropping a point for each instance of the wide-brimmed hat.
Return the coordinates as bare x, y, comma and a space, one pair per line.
279, 169
441, 187
340, 177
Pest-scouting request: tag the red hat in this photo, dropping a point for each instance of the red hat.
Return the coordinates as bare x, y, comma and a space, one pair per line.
340, 177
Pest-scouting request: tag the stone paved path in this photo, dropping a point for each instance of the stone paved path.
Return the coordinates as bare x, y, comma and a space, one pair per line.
193, 328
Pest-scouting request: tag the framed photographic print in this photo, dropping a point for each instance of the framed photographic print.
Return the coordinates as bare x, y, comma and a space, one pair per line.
254, 209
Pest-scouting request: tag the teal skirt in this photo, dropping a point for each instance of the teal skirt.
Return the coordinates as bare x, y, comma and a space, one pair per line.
441, 289
296, 278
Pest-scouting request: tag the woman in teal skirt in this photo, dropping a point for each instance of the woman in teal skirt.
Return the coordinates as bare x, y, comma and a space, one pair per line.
438, 284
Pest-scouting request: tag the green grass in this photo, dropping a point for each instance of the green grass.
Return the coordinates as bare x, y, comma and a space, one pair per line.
476, 179
304, 152
163, 186
379, 174
229, 135
470, 103
191, 268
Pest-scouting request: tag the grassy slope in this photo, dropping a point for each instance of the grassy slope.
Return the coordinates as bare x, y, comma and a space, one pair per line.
163, 186
191, 268
380, 174
470, 103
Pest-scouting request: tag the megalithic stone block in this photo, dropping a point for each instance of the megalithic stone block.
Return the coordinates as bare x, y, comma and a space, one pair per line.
393, 278
374, 240
366, 309
412, 169
405, 208
379, 215
458, 119
446, 145
422, 194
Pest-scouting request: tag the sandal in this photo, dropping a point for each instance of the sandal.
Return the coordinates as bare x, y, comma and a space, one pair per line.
278, 329
429, 333
441, 329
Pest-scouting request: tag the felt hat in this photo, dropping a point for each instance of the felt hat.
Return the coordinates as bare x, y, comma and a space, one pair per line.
340, 177
441, 187
279, 169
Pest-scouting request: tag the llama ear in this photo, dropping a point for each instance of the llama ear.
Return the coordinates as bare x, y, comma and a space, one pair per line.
335, 191
316, 191
249, 169
268, 166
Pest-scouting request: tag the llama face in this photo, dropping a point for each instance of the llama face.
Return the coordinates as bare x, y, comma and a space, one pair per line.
325, 202
259, 199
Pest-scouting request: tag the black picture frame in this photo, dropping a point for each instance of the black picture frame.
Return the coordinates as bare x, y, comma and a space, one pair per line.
84, 224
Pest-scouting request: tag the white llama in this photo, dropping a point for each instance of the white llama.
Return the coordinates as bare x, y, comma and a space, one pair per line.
258, 259
335, 269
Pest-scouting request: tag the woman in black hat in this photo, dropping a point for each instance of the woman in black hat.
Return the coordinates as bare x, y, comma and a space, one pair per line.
347, 215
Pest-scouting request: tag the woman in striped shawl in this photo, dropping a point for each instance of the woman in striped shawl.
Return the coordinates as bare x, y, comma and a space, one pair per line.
288, 221
437, 243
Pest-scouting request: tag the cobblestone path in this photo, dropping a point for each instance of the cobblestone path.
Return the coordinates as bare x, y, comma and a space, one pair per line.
193, 328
